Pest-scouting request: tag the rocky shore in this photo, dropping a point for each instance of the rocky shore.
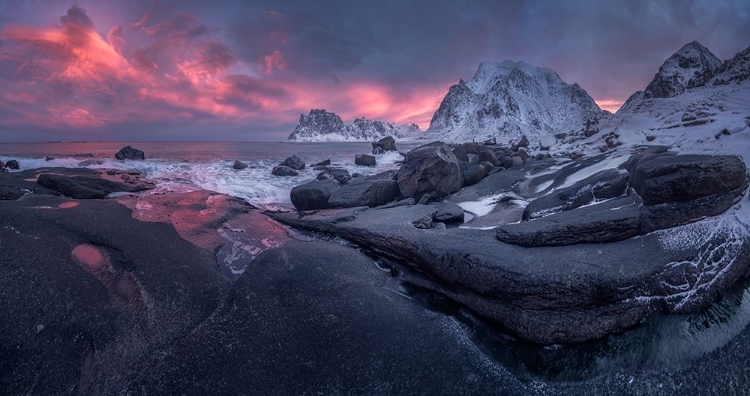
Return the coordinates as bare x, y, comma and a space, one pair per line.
116, 289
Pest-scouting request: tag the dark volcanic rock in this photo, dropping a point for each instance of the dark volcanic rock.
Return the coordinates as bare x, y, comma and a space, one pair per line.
661, 179
314, 318
341, 175
472, 173
129, 153
387, 143
448, 212
430, 169
522, 141
239, 165
557, 294
606, 184
93, 293
461, 153
10, 193
325, 162
294, 162
82, 187
12, 164
313, 195
610, 221
281, 170
364, 160
364, 192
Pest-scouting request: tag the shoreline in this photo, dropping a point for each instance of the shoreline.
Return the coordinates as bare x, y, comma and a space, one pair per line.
118, 247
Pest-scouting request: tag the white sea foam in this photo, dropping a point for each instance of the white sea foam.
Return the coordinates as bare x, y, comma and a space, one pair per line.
255, 184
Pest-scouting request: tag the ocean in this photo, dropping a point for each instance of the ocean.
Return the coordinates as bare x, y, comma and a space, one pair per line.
188, 166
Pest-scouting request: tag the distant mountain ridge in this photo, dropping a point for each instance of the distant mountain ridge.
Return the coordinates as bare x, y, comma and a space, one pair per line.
323, 126
695, 102
509, 99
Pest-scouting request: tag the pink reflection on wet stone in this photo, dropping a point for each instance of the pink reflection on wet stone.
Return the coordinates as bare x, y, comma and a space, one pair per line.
90, 256
68, 205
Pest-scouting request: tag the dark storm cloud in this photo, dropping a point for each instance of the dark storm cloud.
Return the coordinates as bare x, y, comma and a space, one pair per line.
256, 65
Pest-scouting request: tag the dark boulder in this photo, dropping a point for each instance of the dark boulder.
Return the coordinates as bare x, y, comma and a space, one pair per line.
281, 170
364, 160
660, 179
313, 195
129, 153
81, 187
430, 169
341, 175
488, 156
523, 153
387, 143
12, 164
9, 193
461, 153
609, 221
472, 173
239, 165
516, 160
447, 212
606, 184
522, 141
364, 192
325, 162
294, 162
474, 148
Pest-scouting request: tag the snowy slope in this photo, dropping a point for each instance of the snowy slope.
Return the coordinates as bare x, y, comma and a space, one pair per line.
701, 115
323, 126
505, 100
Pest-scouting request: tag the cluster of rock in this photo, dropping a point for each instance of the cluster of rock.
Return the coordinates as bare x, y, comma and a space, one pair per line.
11, 164
555, 274
289, 167
428, 173
651, 191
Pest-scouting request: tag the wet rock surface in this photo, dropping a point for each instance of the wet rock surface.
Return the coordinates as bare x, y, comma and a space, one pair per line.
431, 170
574, 271
130, 153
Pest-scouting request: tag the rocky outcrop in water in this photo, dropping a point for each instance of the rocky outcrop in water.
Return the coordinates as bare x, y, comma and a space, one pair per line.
129, 153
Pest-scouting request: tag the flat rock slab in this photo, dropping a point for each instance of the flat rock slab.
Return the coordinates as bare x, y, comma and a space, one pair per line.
613, 220
555, 294
315, 318
89, 292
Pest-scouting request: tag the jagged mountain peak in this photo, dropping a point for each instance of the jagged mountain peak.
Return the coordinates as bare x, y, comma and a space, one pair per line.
321, 125
506, 99
734, 70
691, 66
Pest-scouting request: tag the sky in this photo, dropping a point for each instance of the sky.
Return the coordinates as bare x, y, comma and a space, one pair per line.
241, 70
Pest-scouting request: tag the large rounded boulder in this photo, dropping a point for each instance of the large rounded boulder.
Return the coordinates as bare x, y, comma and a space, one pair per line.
430, 169
313, 195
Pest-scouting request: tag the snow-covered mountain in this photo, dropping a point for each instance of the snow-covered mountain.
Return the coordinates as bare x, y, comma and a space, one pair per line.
505, 100
707, 107
324, 126
692, 66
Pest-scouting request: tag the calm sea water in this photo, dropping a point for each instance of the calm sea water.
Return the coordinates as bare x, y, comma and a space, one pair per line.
185, 166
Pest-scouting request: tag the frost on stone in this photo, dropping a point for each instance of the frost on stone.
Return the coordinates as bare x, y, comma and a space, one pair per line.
693, 283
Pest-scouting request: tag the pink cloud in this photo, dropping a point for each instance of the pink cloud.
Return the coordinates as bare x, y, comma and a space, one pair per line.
69, 77
273, 61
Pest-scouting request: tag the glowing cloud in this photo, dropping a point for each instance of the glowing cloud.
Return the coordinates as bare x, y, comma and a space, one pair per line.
172, 69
